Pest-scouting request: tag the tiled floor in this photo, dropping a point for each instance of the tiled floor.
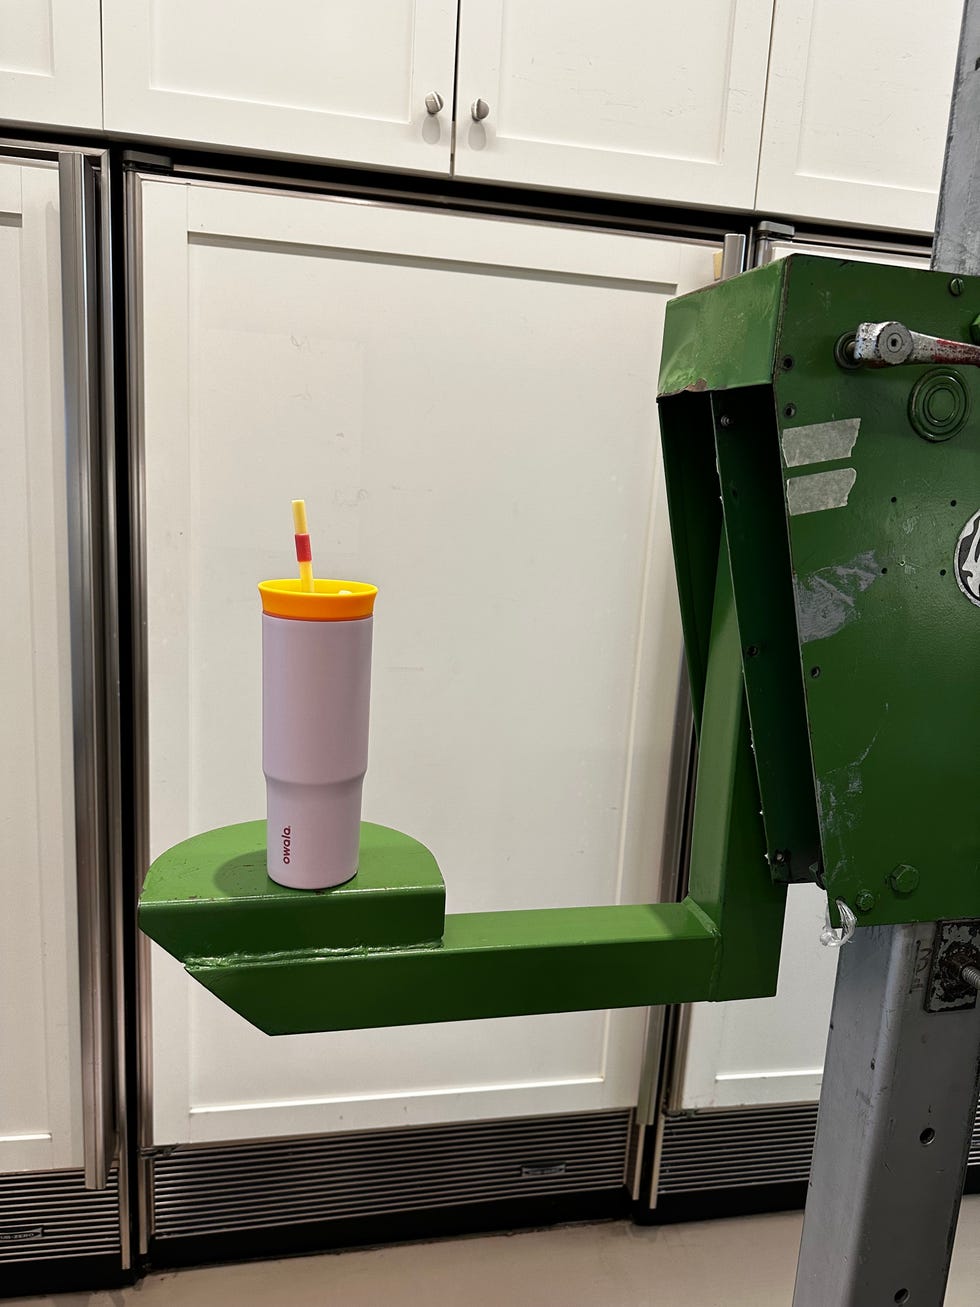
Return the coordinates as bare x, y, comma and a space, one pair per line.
748, 1262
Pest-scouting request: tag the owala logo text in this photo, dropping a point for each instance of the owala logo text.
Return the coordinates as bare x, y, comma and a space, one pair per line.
967, 559
286, 844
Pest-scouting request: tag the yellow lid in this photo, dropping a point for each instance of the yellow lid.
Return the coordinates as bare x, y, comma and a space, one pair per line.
329, 601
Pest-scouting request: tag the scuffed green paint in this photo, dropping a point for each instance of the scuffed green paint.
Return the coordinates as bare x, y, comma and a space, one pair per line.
723, 335
894, 711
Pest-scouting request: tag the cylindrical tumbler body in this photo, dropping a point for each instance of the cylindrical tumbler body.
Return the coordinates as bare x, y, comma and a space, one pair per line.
316, 684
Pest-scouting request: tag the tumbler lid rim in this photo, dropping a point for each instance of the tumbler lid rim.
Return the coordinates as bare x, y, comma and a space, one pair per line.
325, 603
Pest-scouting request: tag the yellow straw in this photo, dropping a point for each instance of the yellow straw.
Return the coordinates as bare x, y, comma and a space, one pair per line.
302, 533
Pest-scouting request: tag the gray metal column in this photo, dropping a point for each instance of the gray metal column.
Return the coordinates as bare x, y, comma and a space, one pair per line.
896, 1115
900, 1081
957, 246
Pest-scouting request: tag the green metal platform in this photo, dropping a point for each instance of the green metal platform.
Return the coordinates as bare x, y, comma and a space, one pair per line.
211, 897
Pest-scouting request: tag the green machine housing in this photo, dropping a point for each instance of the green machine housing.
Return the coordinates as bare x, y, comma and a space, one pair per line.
821, 513
847, 498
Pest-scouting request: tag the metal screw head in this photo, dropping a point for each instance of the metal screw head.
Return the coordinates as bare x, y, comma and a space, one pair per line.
479, 110
956, 286
865, 901
433, 102
904, 879
725, 421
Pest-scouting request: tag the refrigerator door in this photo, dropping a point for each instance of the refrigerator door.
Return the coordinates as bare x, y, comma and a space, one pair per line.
59, 1193
468, 407
39, 1030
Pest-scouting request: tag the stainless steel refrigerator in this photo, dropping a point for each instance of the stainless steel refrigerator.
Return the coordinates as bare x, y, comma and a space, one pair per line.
64, 1192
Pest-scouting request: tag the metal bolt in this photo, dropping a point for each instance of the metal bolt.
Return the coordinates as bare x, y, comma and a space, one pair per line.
844, 351
865, 901
956, 286
904, 879
971, 976
725, 421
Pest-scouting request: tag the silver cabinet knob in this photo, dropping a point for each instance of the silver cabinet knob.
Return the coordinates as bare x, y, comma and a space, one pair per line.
433, 102
480, 110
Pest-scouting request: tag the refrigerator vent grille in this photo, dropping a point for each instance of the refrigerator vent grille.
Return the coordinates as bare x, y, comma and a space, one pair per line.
48, 1214
745, 1146
206, 1189
731, 1149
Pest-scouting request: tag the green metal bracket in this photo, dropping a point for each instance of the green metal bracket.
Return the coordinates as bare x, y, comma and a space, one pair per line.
379, 951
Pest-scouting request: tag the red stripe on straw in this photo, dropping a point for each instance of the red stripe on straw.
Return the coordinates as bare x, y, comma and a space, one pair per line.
304, 553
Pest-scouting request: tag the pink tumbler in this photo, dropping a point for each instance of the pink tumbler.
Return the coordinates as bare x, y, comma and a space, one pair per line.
316, 685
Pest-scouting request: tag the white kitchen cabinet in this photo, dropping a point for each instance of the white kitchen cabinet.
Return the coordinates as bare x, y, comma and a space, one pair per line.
856, 111
655, 100
342, 81
50, 62
847, 105
40, 1081
469, 408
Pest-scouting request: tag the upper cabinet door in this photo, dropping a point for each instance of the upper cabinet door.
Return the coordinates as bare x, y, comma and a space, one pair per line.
343, 81
50, 62
654, 100
856, 111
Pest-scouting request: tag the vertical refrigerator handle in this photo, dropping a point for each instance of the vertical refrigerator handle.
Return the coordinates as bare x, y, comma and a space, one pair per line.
80, 283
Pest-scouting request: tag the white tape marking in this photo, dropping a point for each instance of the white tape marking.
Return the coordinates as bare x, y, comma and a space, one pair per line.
821, 442
822, 490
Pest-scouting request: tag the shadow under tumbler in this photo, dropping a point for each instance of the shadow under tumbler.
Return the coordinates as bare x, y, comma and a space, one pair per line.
316, 686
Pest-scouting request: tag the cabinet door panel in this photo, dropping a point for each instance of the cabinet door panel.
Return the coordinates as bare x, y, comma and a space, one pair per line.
768, 1050
40, 1073
615, 97
340, 81
50, 62
856, 111
468, 407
